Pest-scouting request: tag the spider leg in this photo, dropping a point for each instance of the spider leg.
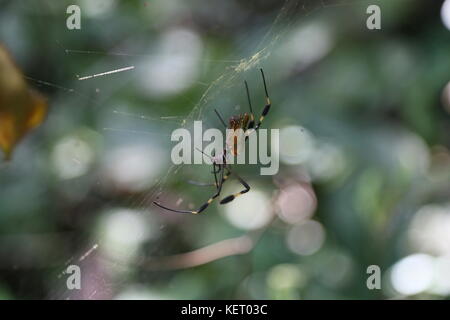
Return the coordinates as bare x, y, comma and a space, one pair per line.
207, 203
251, 123
264, 112
220, 118
215, 174
234, 196
203, 184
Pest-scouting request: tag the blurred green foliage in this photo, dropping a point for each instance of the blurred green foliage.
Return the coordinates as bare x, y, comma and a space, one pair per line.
370, 101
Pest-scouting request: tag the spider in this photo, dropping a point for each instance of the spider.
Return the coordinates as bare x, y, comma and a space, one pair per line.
221, 169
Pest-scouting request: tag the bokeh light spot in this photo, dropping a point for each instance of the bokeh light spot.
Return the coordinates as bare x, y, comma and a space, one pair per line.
249, 212
72, 157
133, 167
296, 145
296, 203
412, 274
445, 14
175, 62
306, 238
430, 229
123, 230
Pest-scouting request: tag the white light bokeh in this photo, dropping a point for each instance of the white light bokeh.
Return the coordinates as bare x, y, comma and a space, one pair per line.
327, 161
441, 280
412, 153
98, 7
413, 274
296, 145
430, 229
445, 14
122, 231
138, 292
133, 167
296, 202
306, 45
249, 213
72, 157
174, 66
306, 238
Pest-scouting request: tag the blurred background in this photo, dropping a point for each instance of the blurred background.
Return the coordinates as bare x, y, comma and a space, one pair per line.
364, 149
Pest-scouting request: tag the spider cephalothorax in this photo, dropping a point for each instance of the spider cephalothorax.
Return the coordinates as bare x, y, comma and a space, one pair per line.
238, 125
239, 121
245, 124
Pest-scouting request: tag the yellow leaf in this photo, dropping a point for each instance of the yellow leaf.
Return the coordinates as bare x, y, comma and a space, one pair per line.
21, 108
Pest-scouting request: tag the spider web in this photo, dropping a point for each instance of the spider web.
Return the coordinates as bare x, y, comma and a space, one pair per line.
229, 82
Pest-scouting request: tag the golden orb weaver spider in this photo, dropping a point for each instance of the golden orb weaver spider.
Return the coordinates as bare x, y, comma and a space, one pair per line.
246, 122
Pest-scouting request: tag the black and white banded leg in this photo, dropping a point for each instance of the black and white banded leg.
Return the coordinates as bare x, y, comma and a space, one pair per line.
235, 195
250, 128
207, 203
